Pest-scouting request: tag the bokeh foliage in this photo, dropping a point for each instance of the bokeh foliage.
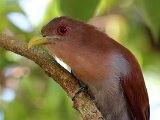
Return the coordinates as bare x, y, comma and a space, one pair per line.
133, 23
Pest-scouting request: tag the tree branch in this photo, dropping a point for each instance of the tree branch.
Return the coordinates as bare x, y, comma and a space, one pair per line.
82, 101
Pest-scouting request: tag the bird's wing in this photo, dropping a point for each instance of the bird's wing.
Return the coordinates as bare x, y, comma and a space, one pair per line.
136, 94
81, 83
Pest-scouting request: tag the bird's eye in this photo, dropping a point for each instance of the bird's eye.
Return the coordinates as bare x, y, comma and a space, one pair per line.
61, 30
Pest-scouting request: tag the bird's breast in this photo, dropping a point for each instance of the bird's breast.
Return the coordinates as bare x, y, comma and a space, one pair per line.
103, 81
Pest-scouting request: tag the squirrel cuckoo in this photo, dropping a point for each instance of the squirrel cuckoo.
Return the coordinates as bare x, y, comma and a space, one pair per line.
110, 70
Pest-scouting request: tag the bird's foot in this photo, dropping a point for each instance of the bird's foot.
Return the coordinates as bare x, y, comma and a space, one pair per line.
79, 90
84, 89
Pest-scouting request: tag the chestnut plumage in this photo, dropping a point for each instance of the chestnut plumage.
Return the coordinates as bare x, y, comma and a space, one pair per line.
110, 70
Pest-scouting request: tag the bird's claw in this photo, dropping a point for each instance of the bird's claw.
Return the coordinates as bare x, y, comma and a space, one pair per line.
79, 90
84, 89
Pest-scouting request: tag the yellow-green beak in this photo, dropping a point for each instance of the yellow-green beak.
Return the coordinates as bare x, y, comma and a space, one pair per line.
36, 41
40, 40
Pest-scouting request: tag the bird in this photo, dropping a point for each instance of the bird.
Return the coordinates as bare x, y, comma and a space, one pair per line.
111, 72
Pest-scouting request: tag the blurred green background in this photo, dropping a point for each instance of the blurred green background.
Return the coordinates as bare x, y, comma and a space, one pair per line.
27, 93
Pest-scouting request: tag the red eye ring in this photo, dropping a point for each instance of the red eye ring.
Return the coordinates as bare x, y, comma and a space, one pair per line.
61, 30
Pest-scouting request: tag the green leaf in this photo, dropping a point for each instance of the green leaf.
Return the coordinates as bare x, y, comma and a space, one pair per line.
80, 9
105, 6
10, 6
149, 10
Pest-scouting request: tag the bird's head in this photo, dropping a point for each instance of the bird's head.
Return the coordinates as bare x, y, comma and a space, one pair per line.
63, 30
